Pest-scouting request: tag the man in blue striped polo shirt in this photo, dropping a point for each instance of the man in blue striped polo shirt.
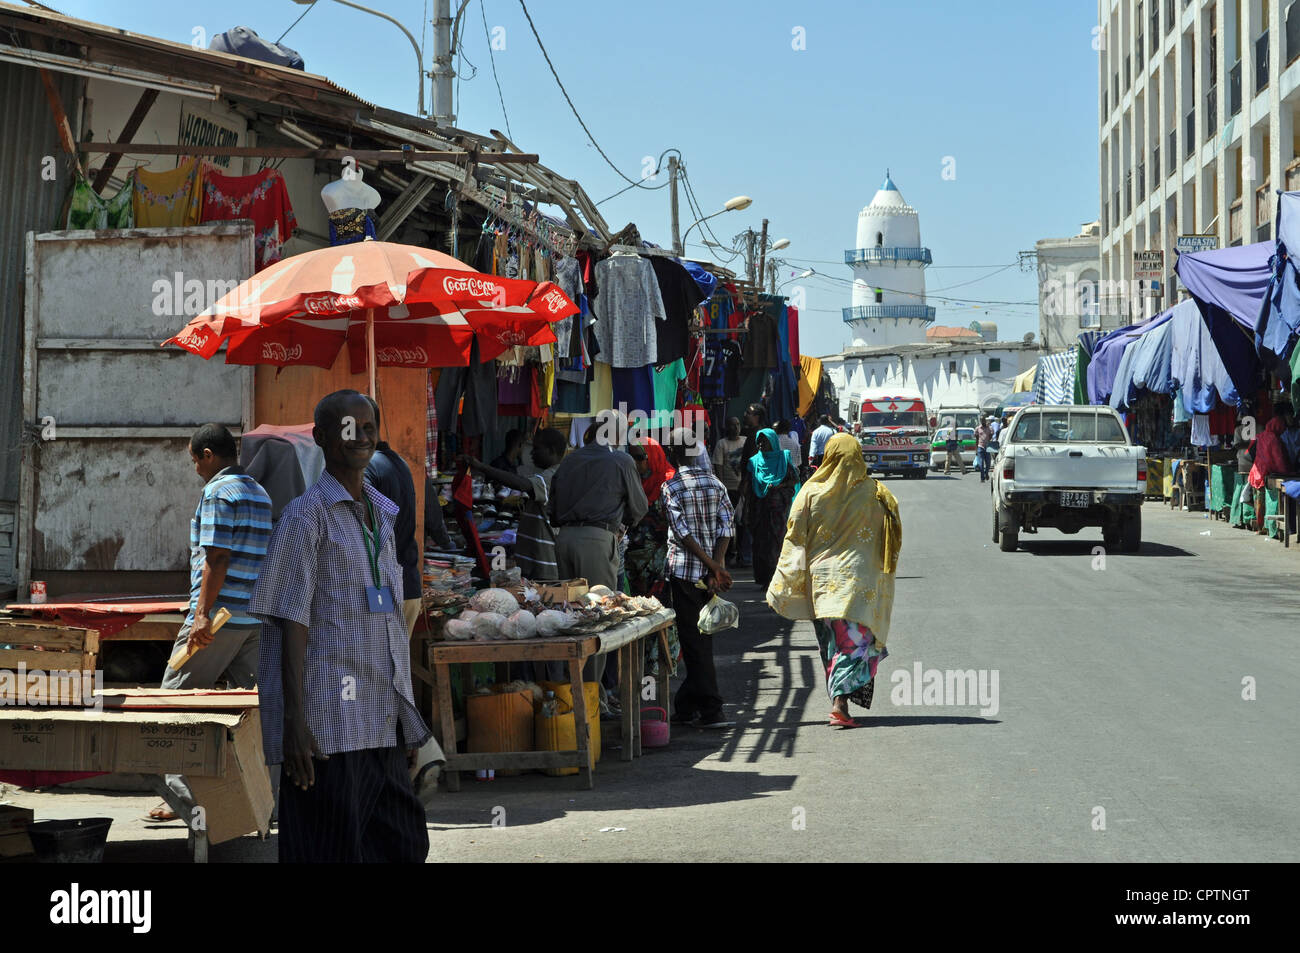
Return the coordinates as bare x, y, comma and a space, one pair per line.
228, 538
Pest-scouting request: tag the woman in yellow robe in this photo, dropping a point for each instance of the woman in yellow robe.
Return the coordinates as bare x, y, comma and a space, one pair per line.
837, 569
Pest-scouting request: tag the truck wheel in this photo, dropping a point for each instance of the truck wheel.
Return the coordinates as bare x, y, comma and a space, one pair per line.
1010, 530
1132, 530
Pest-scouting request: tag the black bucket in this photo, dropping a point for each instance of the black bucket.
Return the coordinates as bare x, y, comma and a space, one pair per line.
77, 841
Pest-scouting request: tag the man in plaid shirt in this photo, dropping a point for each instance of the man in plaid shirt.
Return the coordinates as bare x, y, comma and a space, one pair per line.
700, 521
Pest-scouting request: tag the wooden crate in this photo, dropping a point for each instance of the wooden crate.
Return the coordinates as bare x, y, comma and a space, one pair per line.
44, 647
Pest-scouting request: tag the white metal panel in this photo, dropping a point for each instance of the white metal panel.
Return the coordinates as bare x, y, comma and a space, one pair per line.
115, 488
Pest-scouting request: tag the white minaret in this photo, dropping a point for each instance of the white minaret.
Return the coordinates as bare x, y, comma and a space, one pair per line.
888, 273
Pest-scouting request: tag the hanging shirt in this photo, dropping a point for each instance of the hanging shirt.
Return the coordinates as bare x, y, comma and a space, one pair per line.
87, 209
628, 309
168, 199
666, 381
568, 275
261, 197
719, 357
680, 296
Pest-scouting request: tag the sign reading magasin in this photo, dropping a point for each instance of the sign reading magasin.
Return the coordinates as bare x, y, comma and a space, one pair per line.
200, 128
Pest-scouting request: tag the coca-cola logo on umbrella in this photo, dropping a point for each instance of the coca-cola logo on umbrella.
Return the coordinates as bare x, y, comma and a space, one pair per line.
330, 303
555, 301
193, 339
275, 351
476, 287
402, 355
511, 337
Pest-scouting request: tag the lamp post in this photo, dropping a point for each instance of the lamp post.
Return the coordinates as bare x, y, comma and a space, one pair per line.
419, 57
736, 204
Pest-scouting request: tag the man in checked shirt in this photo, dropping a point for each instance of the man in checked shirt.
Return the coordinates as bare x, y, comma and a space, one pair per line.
700, 522
335, 667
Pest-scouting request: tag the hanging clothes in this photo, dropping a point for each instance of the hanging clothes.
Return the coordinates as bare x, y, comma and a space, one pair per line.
168, 199
666, 381
680, 295
793, 321
261, 197
763, 345
628, 309
431, 423
633, 390
477, 385
568, 276
351, 225
1201, 430
87, 209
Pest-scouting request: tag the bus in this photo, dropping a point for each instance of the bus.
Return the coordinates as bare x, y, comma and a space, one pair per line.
893, 427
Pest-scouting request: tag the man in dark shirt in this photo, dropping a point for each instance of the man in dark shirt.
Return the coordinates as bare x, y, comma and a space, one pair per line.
509, 459
388, 473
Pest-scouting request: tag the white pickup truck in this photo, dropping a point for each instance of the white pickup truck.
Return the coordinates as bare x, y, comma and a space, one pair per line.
1065, 468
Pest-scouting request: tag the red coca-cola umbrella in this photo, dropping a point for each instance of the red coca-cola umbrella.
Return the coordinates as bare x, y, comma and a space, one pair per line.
392, 305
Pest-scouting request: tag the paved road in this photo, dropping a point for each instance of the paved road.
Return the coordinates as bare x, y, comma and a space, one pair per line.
1119, 691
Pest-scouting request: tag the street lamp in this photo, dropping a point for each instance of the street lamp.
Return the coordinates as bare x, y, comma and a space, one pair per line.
739, 203
807, 273
419, 57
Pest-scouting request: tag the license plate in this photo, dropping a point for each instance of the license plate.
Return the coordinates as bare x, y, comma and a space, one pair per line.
1076, 499
895, 458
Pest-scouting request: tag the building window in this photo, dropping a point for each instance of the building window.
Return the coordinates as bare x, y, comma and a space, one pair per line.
952, 367
995, 364
880, 238
880, 296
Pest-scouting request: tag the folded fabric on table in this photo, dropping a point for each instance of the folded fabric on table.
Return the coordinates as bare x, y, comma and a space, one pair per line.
1292, 489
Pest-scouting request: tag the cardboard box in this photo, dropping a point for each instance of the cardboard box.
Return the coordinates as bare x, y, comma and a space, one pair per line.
134, 741
565, 590
240, 800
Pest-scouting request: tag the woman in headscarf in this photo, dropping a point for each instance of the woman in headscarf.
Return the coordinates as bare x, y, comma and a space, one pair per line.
647, 542
773, 481
837, 569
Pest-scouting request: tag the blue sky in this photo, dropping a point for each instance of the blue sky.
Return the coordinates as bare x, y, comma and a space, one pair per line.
1007, 89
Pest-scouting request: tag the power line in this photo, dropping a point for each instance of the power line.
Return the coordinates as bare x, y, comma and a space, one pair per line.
572, 107
482, 8
295, 23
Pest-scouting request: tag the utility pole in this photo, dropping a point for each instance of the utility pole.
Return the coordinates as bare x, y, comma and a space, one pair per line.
444, 110
678, 249
762, 256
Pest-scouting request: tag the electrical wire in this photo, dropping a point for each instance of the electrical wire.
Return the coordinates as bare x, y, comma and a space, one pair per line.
482, 8
295, 22
608, 161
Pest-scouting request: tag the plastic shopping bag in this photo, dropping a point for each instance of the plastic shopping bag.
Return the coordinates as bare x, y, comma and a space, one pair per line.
718, 614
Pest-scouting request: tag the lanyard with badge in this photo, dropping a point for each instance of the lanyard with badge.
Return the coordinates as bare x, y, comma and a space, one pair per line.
379, 598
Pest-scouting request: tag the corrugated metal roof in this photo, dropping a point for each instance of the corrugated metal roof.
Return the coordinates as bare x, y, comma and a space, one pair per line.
31, 203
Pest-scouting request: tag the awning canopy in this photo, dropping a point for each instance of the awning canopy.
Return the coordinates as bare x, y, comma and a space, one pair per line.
1025, 382
1229, 285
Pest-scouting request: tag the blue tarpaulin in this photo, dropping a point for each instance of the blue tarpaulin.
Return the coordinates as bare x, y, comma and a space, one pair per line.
1106, 358
1229, 285
1145, 364
1279, 318
1195, 365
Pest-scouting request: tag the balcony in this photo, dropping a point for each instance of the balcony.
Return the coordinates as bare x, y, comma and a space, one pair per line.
1189, 133
1261, 61
1293, 175
1234, 222
1234, 89
1263, 204
885, 253
864, 312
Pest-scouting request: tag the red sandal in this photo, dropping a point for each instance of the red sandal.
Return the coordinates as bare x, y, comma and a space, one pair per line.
842, 721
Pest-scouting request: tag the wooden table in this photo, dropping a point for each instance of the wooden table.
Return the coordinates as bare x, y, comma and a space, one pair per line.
1288, 514
625, 639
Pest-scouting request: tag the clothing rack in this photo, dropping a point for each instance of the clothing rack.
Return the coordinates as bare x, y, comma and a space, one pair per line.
542, 234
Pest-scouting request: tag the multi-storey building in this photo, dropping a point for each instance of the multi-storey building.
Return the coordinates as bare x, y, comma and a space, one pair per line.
1198, 103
